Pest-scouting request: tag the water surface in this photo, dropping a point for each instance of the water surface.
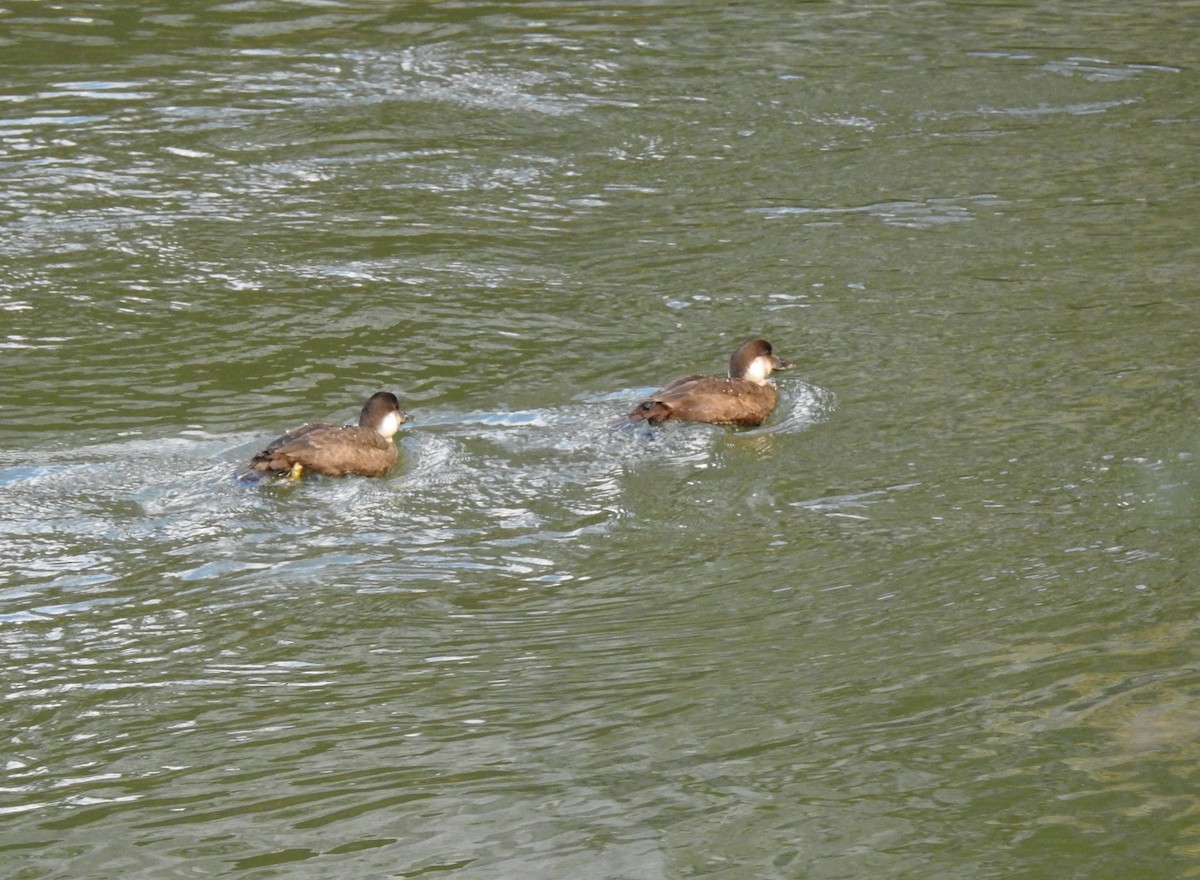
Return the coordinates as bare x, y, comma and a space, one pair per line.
936, 618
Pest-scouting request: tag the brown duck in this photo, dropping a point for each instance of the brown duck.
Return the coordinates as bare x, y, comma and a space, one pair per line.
744, 398
366, 449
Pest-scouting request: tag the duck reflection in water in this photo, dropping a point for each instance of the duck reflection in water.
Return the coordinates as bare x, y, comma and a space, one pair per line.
367, 449
745, 397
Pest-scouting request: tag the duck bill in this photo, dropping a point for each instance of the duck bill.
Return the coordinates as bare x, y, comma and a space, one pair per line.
781, 364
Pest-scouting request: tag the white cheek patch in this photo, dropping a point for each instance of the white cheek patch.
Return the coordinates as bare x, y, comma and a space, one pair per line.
390, 425
759, 370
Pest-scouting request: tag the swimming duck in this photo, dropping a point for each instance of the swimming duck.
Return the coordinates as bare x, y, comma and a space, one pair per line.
744, 398
366, 449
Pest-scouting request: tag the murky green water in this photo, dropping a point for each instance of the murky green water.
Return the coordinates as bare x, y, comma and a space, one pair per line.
938, 618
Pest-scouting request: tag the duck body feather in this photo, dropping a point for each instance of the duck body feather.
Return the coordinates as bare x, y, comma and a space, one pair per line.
332, 450
711, 399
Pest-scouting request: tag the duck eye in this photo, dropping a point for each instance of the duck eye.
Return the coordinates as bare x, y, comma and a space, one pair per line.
649, 404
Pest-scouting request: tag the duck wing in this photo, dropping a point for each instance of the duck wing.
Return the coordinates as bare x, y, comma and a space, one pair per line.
679, 385
710, 399
328, 449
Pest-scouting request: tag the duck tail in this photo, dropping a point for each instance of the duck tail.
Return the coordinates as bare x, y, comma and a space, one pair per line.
243, 476
651, 411
250, 475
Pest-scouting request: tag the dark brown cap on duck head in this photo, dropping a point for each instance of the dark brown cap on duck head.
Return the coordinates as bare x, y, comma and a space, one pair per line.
755, 360
382, 413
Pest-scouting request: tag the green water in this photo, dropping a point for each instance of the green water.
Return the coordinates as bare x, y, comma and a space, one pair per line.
937, 618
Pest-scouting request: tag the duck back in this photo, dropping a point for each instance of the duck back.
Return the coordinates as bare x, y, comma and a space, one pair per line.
333, 450
710, 399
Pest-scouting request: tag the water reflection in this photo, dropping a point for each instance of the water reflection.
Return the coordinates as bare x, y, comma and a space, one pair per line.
916, 215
